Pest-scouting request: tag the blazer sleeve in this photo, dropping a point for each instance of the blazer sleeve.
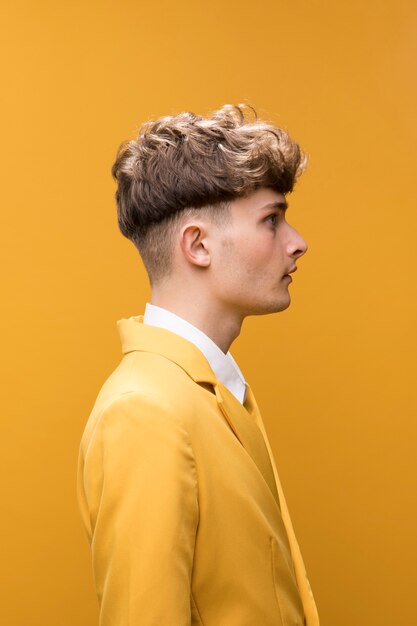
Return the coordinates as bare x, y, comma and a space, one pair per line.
139, 487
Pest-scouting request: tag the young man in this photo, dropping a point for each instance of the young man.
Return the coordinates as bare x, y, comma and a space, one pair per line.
177, 484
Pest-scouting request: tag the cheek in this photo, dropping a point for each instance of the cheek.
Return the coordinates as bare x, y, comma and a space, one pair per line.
259, 257
246, 257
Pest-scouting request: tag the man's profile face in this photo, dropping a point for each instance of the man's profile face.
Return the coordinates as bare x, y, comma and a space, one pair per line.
253, 254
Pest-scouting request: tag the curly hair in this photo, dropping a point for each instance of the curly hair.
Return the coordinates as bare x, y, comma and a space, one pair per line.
191, 162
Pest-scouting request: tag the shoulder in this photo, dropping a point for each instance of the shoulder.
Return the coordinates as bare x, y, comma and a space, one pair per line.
146, 391
130, 428
146, 373
135, 447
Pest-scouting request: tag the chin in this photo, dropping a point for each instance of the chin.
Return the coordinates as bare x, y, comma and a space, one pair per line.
270, 307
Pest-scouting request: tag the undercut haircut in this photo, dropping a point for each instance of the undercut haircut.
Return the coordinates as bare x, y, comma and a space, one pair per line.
182, 164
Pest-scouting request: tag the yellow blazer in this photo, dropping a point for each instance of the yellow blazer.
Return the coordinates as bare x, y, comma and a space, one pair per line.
180, 497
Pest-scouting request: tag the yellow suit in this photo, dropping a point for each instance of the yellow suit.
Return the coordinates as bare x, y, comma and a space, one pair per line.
180, 497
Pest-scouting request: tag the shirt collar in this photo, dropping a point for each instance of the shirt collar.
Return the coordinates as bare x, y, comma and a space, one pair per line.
223, 365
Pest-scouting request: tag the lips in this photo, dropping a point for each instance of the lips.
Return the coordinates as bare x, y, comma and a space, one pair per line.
294, 269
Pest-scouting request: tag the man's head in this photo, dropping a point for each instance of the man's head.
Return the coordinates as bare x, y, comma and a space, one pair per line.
187, 167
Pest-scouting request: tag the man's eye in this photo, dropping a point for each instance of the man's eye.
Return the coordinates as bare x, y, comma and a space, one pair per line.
273, 219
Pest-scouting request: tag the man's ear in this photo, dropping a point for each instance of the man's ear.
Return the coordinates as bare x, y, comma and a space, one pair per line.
193, 242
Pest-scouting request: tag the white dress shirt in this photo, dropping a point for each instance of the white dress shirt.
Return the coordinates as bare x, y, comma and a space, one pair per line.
223, 365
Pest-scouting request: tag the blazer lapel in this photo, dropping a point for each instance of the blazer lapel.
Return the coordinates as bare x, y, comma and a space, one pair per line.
250, 436
310, 609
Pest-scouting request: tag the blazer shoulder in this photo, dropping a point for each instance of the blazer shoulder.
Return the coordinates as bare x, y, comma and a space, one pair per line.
150, 374
147, 383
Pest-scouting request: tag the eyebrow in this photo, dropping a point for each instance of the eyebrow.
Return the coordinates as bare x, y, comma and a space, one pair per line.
276, 205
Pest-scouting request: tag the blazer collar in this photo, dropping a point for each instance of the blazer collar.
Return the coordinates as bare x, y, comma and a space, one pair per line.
242, 419
135, 335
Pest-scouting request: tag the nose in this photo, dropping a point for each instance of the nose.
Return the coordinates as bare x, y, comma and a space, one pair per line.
297, 246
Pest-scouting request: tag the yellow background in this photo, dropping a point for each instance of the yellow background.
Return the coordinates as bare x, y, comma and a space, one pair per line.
334, 374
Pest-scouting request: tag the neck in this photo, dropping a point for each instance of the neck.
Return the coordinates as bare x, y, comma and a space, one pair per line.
208, 316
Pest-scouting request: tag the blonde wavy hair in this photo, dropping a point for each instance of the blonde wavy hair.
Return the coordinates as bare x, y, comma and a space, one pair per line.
185, 163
